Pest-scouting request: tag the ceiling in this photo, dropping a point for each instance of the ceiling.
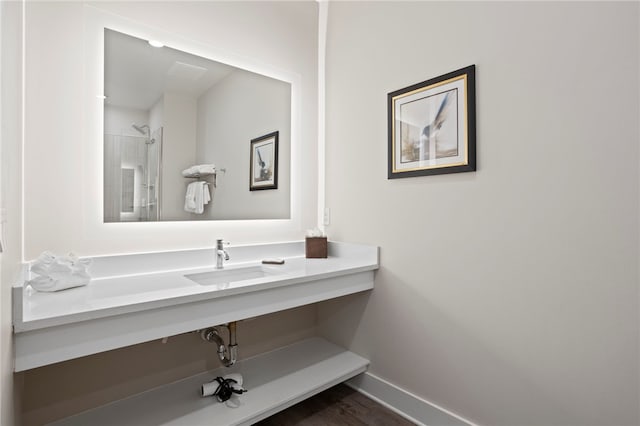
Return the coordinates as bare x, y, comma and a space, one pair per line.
137, 75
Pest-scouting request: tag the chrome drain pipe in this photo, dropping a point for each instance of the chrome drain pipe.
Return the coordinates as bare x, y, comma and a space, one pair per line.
228, 354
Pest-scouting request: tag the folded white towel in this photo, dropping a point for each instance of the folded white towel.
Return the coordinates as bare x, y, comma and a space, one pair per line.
59, 272
190, 198
199, 170
197, 197
200, 185
206, 196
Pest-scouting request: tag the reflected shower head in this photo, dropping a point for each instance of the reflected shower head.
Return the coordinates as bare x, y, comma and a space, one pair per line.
142, 129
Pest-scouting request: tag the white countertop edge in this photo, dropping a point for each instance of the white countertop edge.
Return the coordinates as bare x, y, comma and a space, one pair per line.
274, 282
46, 346
360, 257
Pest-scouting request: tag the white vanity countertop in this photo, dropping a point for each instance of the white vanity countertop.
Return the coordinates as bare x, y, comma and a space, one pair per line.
134, 283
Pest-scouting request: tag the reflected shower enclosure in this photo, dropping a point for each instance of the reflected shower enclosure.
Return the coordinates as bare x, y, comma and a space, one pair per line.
132, 174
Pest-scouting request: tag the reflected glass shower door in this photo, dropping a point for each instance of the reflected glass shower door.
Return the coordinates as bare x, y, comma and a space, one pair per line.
132, 170
154, 175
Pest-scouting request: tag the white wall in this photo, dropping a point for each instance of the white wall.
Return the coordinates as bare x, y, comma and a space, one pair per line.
508, 295
241, 107
10, 194
156, 115
63, 209
118, 120
63, 159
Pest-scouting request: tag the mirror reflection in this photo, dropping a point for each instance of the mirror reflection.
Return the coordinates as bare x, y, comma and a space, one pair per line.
177, 136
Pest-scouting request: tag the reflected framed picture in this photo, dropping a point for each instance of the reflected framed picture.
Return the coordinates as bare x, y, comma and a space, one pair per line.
263, 169
432, 126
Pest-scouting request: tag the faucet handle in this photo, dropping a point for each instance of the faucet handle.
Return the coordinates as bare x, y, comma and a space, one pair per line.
220, 243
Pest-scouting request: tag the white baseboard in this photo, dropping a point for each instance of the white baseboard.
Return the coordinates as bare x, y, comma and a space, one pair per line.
409, 406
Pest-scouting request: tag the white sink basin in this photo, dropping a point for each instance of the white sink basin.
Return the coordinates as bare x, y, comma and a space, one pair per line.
223, 276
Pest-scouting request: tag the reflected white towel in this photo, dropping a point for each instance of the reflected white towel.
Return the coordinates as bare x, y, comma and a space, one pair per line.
190, 198
197, 197
199, 169
206, 196
59, 272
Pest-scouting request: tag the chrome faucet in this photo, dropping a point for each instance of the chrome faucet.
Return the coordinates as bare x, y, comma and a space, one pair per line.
221, 254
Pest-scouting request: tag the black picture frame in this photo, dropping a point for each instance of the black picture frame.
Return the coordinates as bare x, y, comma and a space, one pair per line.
432, 126
263, 162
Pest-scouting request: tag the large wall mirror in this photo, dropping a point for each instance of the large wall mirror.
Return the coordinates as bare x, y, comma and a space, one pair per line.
178, 132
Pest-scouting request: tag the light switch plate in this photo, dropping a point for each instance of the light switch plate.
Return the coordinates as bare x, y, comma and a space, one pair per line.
3, 220
327, 216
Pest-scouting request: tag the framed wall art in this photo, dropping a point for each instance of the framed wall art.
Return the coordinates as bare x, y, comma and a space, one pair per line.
263, 169
431, 126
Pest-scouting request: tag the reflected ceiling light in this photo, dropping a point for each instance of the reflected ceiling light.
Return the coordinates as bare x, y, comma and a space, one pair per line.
155, 43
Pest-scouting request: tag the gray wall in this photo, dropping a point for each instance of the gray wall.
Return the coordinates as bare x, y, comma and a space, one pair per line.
508, 295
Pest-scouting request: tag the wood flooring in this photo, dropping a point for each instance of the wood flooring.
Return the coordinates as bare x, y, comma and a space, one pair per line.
339, 405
